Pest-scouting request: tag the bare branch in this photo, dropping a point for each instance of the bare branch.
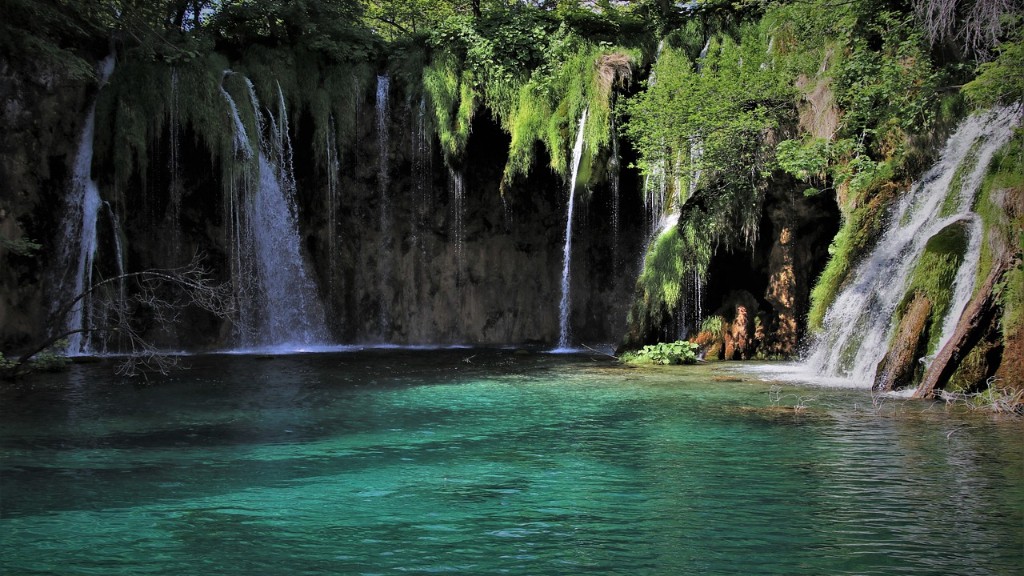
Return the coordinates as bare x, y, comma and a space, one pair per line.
158, 295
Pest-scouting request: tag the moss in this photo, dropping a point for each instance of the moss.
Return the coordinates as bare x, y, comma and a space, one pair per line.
660, 284
453, 101
1004, 176
934, 276
860, 227
952, 201
713, 326
973, 370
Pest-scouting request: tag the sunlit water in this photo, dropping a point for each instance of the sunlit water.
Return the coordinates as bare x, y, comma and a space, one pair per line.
485, 462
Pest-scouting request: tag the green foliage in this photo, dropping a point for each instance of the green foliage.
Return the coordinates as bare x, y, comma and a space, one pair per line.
51, 359
715, 326
895, 82
659, 286
724, 103
664, 353
42, 35
330, 28
1003, 228
535, 75
1000, 81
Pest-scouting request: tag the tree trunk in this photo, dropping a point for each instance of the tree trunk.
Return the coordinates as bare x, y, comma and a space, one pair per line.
980, 312
898, 366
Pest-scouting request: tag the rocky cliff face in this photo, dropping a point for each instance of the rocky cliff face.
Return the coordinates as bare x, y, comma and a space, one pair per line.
419, 253
427, 254
41, 116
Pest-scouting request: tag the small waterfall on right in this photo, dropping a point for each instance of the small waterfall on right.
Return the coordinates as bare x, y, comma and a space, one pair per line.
860, 322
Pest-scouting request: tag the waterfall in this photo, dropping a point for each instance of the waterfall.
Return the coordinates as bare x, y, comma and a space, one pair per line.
614, 166
384, 283
333, 201
859, 324
174, 168
564, 305
77, 243
456, 234
278, 302
421, 171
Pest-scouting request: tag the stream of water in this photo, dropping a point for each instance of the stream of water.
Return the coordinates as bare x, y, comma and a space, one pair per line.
565, 304
494, 462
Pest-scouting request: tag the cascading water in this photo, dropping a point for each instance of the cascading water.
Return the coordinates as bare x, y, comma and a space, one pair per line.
78, 234
278, 303
566, 300
859, 324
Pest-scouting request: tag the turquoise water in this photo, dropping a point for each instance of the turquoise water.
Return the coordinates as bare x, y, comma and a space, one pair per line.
489, 462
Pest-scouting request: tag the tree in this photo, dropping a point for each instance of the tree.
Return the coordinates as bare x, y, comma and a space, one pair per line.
158, 295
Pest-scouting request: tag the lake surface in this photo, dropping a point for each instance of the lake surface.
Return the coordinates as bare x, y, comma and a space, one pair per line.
492, 462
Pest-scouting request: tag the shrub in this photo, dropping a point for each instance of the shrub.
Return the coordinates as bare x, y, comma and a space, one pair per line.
664, 353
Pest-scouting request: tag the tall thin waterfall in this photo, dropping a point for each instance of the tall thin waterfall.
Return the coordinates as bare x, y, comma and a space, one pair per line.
566, 301
277, 299
333, 200
174, 167
420, 148
384, 201
78, 233
614, 166
457, 233
859, 324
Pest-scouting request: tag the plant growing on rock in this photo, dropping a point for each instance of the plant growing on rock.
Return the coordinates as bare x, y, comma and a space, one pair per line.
664, 353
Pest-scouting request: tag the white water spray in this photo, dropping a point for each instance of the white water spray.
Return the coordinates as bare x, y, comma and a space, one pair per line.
279, 307
859, 324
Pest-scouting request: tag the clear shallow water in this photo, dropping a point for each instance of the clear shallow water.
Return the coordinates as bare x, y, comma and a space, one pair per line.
384, 462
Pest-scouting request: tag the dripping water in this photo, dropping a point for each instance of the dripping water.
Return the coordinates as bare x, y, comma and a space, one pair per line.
333, 202
174, 168
457, 232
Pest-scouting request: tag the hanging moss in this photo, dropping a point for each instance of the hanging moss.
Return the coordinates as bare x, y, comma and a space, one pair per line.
133, 110
536, 83
659, 286
453, 101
